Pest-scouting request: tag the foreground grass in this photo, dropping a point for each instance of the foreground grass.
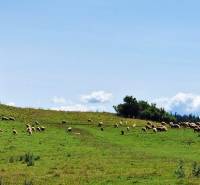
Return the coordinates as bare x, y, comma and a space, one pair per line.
94, 157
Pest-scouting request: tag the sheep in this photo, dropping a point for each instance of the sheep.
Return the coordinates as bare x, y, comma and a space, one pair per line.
102, 129
89, 120
122, 132
29, 130
197, 129
128, 128
43, 128
64, 122
116, 125
77, 133
192, 125
198, 123
14, 131
185, 124
4, 118
37, 123
28, 125
11, 118
148, 127
38, 129
120, 123
162, 129
149, 123
175, 126
163, 123
33, 129
100, 124
144, 129
69, 129
134, 125
155, 130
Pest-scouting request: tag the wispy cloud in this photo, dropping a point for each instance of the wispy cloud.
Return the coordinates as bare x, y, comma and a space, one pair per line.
11, 104
58, 100
97, 97
183, 103
78, 107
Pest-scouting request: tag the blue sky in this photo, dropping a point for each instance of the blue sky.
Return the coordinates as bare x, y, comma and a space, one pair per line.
66, 54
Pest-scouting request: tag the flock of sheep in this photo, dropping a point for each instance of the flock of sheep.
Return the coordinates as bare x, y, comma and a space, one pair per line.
161, 127
30, 128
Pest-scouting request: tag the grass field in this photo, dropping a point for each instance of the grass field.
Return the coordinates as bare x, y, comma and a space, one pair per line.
93, 157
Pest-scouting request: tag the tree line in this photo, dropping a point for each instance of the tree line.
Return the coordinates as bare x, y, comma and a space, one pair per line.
132, 108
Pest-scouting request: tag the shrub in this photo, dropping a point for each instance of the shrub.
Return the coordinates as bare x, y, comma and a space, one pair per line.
195, 169
29, 159
180, 171
11, 159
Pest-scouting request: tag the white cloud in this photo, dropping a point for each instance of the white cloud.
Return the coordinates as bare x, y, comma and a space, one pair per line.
97, 97
58, 100
183, 103
78, 107
10, 104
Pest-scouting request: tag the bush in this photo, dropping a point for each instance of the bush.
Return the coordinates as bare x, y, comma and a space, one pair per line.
180, 171
195, 170
29, 159
11, 159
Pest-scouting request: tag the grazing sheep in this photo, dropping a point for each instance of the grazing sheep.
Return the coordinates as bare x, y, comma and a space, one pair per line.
89, 120
148, 127
43, 128
122, 132
198, 123
134, 125
29, 130
69, 129
11, 118
120, 123
149, 123
28, 125
144, 129
175, 126
14, 132
4, 118
155, 130
64, 122
162, 129
192, 125
100, 124
38, 129
77, 133
185, 124
163, 123
128, 128
37, 123
33, 129
197, 129
116, 125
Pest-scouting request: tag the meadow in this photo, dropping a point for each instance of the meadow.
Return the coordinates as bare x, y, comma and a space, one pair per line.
90, 156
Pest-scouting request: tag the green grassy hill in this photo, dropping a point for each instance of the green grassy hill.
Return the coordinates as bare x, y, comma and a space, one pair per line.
89, 156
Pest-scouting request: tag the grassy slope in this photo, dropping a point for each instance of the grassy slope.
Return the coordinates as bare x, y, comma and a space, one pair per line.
94, 157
